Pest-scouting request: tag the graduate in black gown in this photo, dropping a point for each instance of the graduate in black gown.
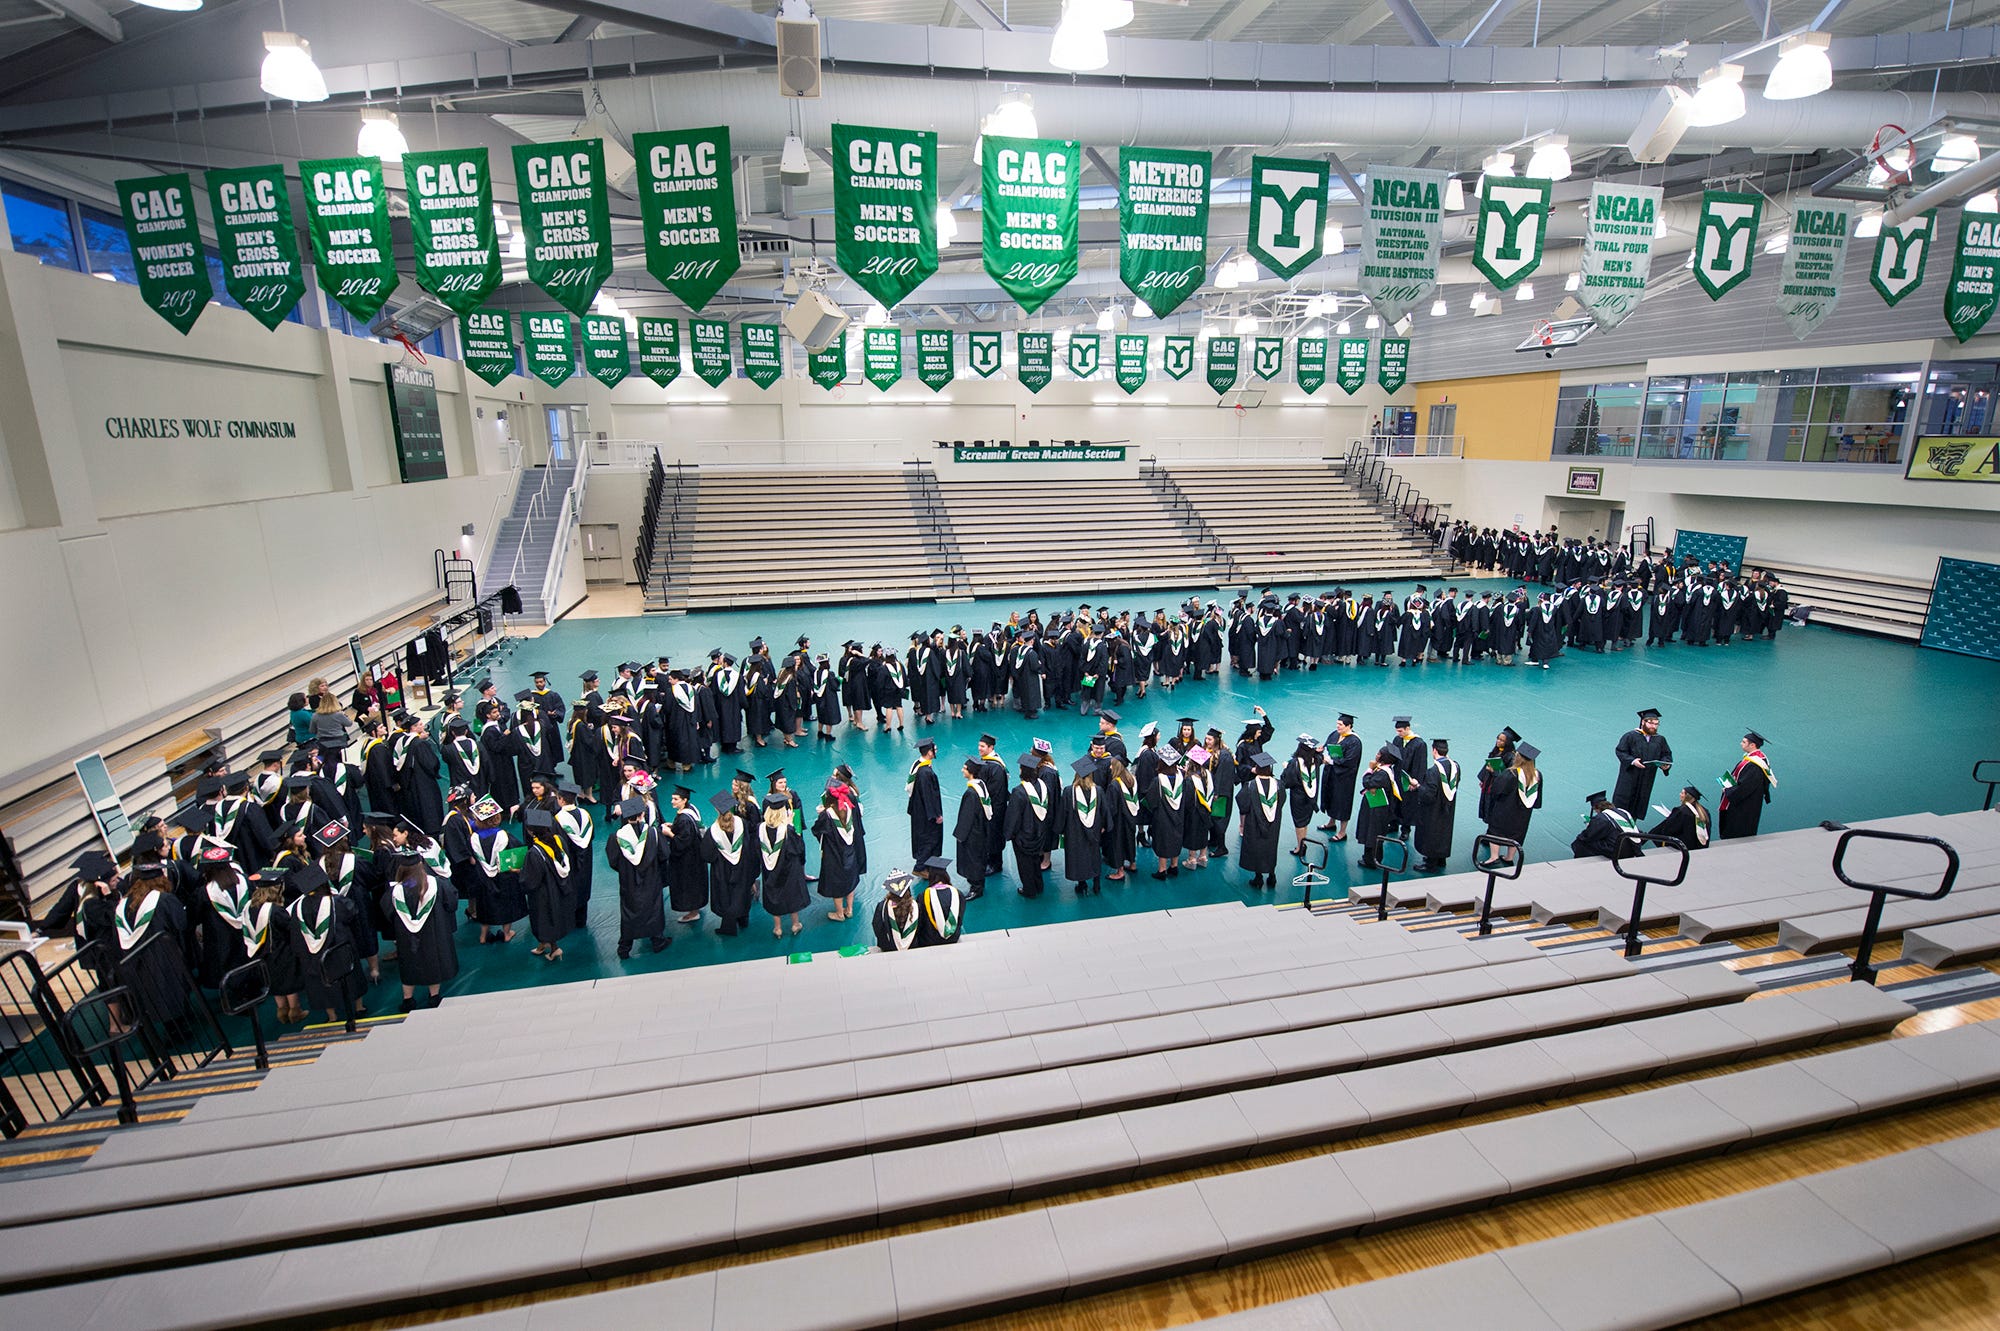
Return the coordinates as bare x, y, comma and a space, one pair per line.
418, 767
637, 853
328, 925
1746, 790
925, 803
463, 759
993, 773
1603, 831
825, 699
1498, 759
973, 828
1642, 755
494, 887
1165, 822
1303, 773
1687, 822
1437, 807
782, 856
1203, 809
1381, 806
838, 832
732, 866
1545, 632
152, 914
1515, 795
423, 913
546, 874
1261, 806
686, 872
1083, 829
1122, 814
579, 832
1342, 776
940, 905
1027, 814
496, 755
895, 922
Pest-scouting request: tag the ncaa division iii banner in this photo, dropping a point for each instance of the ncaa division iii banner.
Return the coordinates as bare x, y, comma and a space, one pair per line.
1815, 261
1028, 194
451, 225
1513, 223
1403, 225
347, 214
687, 206
566, 216
1901, 252
885, 209
1287, 213
1725, 240
255, 240
160, 226
1618, 250
1162, 225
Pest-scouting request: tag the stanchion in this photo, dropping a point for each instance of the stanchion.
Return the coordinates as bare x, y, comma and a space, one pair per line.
105, 1006
1635, 941
1402, 864
1495, 868
242, 994
1881, 893
1981, 772
1314, 875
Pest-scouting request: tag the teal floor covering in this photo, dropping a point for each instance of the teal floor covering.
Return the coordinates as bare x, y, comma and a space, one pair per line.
1859, 727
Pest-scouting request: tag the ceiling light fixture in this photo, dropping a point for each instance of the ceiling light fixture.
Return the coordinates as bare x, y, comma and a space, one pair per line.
1499, 164
380, 136
1343, 329
1107, 318
1869, 225
1245, 325
947, 224
289, 72
500, 223
1078, 43
1225, 275
1803, 68
1373, 322
1526, 291
1574, 282
1437, 308
1988, 202
1314, 330
1454, 195
1104, 15
1719, 99
1550, 160
173, 6
1336, 238
1955, 153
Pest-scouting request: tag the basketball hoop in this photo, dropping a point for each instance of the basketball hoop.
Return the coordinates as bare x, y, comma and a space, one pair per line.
1895, 134
1542, 334
410, 348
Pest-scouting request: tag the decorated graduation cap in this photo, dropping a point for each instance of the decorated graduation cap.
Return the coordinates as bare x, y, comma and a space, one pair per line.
1197, 755
723, 803
458, 794
1150, 729
1170, 756
1528, 751
1042, 746
1649, 714
486, 807
330, 835
214, 855
1755, 738
94, 866
897, 883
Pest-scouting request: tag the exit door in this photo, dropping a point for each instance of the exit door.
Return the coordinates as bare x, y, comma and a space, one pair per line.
603, 554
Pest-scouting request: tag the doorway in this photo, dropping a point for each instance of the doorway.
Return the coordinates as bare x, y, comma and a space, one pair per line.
603, 552
569, 426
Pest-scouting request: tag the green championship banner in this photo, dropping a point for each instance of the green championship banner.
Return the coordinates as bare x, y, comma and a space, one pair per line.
1975, 274
1056, 450
160, 226
1350, 366
882, 356
487, 339
1401, 232
257, 243
687, 207
451, 225
1034, 359
566, 215
1901, 252
1131, 361
606, 356
1162, 225
1725, 240
546, 336
934, 358
1267, 357
828, 366
347, 215
1028, 193
982, 352
762, 360
1393, 371
1223, 353
1311, 371
1954, 458
885, 209
1618, 250
1287, 213
1085, 351
660, 350
1815, 261
1177, 357
1513, 224
708, 348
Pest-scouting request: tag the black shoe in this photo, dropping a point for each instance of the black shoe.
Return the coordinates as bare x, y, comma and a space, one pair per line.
662, 943
1174, 872
1159, 875
625, 953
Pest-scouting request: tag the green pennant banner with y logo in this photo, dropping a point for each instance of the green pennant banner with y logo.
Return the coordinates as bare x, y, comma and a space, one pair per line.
934, 358
1350, 366
1177, 357
347, 215
1034, 359
882, 356
1267, 357
708, 349
1975, 275
607, 355
1901, 252
828, 366
1028, 193
1725, 240
1223, 354
1162, 225
1084, 352
546, 336
1131, 361
1513, 224
1311, 372
1393, 371
763, 360
566, 215
256, 241
660, 349
451, 225
1287, 213
687, 206
982, 353
487, 338
885, 209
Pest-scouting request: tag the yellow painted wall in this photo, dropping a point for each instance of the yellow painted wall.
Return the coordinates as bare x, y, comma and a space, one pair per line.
1511, 417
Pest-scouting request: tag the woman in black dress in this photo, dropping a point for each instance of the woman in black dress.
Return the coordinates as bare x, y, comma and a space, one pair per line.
687, 875
423, 914
1262, 811
1516, 794
548, 878
781, 853
326, 924
637, 853
837, 828
732, 866
1083, 829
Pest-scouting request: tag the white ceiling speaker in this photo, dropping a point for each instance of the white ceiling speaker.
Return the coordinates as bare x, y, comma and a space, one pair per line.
1661, 128
1570, 308
815, 321
798, 57
794, 168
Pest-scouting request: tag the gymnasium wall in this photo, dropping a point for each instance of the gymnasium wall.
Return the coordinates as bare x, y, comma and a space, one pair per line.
146, 572
1505, 416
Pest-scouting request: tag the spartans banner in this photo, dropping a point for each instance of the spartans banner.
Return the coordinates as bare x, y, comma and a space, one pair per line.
1287, 213
487, 339
982, 352
606, 357
1901, 252
1176, 357
451, 225
885, 209
1267, 357
1968, 301
1034, 359
1815, 261
1131, 361
882, 356
1618, 250
347, 215
1222, 362
687, 206
1311, 371
1028, 192
708, 350
257, 243
1162, 225
1084, 349
1725, 240
549, 355
828, 366
1513, 224
1350, 367
762, 361
1394, 370
1400, 235
660, 350
566, 216
934, 358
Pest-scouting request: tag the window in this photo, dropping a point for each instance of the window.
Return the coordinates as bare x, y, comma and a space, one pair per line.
105, 247
40, 224
1599, 419
1844, 413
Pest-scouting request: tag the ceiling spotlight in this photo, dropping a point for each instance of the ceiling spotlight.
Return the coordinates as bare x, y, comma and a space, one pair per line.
1208, 331
1314, 330
1437, 308
1454, 195
1574, 282
1104, 15
1225, 275
500, 225
173, 6
1802, 69
1660, 225
1246, 325
1078, 45
1336, 238
947, 225
1550, 160
793, 167
1343, 329
606, 303
380, 136
1869, 225
1526, 291
1719, 99
1373, 322
1013, 118
1957, 152
1779, 243
1403, 326
1988, 202
517, 245
1107, 318
289, 72
1477, 302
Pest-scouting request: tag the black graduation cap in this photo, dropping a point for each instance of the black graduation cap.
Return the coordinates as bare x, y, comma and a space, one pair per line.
1084, 767
1261, 761
538, 820
936, 863
989, 741
569, 788
926, 746
1106, 714
1213, 733
538, 674
631, 808
750, 777
684, 792
1649, 714
379, 818
1347, 719
208, 787
148, 843
194, 819
588, 677
1441, 745
776, 801
723, 803
1692, 792
803, 640
235, 781
1597, 797
1755, 738
485, 683
776, 772
309, 878
451, 696
94, 866
1401, 722
271, 756
524, 695
1528, 751
1028, 760
1388, 755
1513, 735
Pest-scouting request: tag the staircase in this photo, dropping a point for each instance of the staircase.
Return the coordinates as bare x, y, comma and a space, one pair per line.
525, 551
1293, 522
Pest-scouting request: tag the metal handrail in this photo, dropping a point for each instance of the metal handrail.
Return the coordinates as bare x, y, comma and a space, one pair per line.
1881, 892
1636, 841
1401, 866
571, 502
1992, 782
1495, 869
1210, 543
